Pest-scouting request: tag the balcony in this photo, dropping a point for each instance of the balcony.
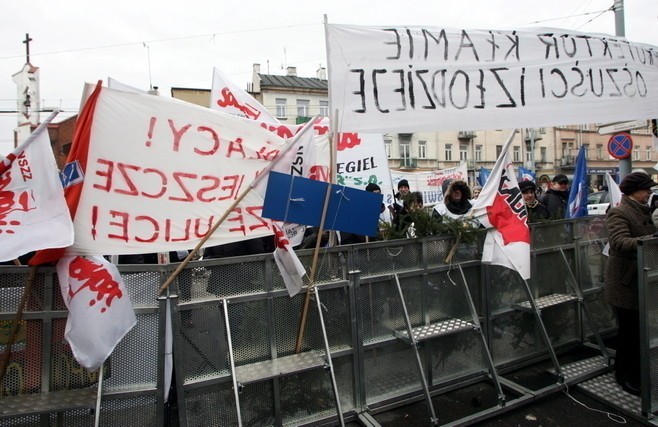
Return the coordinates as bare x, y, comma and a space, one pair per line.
466, 134
408, 163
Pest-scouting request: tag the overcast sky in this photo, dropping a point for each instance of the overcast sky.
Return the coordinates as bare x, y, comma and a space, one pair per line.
77, 41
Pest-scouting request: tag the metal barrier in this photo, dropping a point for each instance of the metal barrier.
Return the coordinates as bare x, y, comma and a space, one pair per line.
361, 313
648, 294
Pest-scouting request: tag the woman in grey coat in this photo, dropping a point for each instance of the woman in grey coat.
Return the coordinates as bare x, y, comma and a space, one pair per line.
627, 223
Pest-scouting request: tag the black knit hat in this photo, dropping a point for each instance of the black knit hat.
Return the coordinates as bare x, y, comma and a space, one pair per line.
527, 185
636, 181
403, 183
372, 187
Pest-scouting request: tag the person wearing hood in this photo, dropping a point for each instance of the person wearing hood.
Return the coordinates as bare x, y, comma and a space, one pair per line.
456, 203
556, 198
627, 223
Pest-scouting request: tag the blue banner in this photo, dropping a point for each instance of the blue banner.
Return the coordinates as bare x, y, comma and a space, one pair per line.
483, 176
577, 205
526, 174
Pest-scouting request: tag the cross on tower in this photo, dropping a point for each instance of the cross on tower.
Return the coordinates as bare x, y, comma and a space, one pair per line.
27, 46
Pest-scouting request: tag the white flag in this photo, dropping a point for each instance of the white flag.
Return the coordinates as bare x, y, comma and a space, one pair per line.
100, 311
291, 268
230, 98
615, 198
500, 208
33, 210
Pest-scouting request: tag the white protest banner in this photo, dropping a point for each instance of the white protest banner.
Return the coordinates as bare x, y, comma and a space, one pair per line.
413, 79
230, 98
153, 174
429, 183
361, 159
33, 211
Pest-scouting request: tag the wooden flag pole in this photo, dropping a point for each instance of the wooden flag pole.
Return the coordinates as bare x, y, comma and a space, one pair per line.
17, 321
316, 253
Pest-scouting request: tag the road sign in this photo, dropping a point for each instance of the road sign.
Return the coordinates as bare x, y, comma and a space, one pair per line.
620, 145
617, 127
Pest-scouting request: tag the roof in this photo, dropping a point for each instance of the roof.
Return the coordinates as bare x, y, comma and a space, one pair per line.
270, 80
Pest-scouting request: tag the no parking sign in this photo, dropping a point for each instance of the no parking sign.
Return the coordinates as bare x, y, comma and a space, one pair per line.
620, 145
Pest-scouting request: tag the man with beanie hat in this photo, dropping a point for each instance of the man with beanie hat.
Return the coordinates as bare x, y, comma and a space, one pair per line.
403, 190
627, 223
536, 210
556, 198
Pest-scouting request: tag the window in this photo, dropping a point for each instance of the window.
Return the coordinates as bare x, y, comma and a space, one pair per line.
636, 153
422, 149
448, 152
463, 152
404, 150
324, 108
517, 154
478, 153
599, 151
648, 153
387, 147
542, 154
528, 156
281, 107
302, 108
586, 150
499, 149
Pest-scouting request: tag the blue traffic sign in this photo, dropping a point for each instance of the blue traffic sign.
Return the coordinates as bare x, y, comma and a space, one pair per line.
620, 145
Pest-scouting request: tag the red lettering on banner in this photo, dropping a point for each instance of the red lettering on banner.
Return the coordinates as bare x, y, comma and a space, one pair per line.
163, 183
227, 99
239, 219
186, 231
123, 170
319, 173
97, 279
236, 146
215, 139
178, 134
149, 134
24, 166
156, 229
282, 130
107, 173
234, 187
178, 178
122, 224
254, 212
348, 140
200, 195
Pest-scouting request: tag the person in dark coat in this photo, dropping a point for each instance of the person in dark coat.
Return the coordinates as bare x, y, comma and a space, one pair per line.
536, 210
556, 198
627, 223
456, 200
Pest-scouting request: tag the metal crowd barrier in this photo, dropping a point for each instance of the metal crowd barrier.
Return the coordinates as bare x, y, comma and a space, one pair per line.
217, 377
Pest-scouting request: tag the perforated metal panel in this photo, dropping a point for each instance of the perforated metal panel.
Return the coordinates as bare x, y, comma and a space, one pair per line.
391, 257
390, 371
514, 337
455, 356
551, 234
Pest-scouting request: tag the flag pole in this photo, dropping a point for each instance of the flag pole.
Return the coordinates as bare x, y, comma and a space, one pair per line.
263, 173
318, 241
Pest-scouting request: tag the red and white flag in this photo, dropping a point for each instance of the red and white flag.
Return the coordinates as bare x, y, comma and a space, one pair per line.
500, 208
33, 211
230, 98
291, 268
100, 310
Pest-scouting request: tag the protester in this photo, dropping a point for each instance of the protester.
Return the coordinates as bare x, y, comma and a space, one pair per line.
455, 203
536, 210
556, 198
403, 222
403, 190
627, 223
476, 191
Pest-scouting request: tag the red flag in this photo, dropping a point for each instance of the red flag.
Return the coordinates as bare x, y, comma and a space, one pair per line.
500, 208
76, 164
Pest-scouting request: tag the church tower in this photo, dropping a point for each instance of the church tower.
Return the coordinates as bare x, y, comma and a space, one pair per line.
28, 97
